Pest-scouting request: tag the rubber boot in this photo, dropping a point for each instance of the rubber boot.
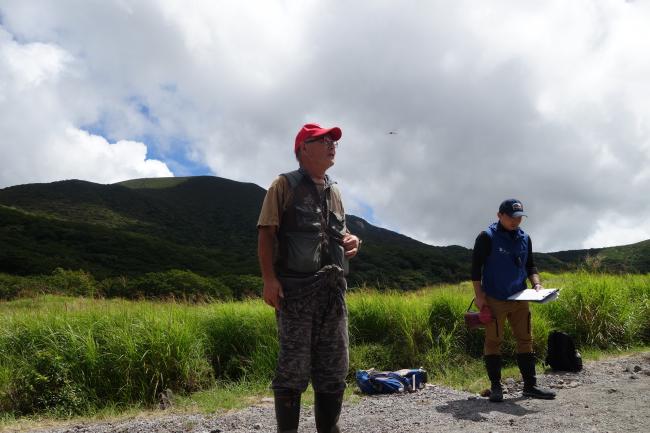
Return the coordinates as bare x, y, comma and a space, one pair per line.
287, 410
526, 362
493, 367
327, 408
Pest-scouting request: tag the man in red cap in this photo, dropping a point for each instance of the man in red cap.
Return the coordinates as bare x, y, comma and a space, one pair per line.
303, 248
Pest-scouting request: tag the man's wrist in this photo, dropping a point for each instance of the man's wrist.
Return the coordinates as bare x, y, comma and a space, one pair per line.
269, 278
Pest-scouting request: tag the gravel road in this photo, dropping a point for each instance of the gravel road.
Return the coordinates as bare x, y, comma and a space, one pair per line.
611, 395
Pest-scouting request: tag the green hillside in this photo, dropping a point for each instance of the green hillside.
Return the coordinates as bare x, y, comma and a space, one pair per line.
633, 258
207, 225
203, 224
388, 257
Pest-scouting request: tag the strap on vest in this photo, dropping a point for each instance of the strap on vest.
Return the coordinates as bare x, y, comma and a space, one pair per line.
294, 178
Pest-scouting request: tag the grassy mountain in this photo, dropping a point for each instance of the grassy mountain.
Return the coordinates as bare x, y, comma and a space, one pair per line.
388, 257
207, 225
204, 224
633, 258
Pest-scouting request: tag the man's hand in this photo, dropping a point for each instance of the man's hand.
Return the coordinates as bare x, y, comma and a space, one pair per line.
479, 295
273, 292
535, 282
480, 301
272, 287
351, 245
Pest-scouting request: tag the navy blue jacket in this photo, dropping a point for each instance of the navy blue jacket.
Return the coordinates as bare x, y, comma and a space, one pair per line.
507, 264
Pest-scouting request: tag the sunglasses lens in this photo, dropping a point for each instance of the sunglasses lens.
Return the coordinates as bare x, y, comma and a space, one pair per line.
327, 141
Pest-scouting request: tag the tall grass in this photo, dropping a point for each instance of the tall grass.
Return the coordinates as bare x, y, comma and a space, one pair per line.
73, 355
99, 353
65, 356
241, 339
603, 311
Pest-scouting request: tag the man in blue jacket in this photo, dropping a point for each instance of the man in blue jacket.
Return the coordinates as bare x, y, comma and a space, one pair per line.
502, 261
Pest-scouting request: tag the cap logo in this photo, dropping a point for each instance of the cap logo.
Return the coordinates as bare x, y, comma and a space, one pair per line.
517, 207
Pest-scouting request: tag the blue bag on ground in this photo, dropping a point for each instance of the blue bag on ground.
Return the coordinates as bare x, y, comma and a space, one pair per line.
388, 382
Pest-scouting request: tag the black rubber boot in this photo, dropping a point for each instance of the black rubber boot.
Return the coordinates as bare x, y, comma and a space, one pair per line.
327, 408
287, 410
526, 362
493, 367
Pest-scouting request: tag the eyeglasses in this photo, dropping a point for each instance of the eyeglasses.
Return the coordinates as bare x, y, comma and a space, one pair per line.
327, 141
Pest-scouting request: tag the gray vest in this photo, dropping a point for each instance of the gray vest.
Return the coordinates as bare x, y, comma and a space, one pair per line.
310, 234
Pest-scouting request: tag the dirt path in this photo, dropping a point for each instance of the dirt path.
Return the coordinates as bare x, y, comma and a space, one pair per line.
611, 395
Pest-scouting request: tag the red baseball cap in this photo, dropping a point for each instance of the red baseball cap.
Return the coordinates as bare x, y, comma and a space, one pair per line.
312, 130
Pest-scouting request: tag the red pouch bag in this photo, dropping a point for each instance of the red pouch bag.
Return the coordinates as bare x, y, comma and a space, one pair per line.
475, 319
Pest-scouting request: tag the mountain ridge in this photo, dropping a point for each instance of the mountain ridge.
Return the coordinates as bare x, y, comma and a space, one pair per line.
206, 224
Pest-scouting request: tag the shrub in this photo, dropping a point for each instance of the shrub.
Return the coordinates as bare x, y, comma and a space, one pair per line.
178, 284
45, 384
9, 286
75, 283
115, 287
243, 286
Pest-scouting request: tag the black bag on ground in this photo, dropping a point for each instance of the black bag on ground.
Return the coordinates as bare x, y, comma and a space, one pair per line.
561, 354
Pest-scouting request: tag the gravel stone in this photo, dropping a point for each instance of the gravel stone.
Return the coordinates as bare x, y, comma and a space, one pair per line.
583, 407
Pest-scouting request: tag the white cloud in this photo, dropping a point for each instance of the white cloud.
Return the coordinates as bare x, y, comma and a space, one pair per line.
614, 229
544, 101
39, 141
93, 157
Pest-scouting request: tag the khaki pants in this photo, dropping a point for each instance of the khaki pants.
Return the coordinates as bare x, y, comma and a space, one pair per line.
518, 315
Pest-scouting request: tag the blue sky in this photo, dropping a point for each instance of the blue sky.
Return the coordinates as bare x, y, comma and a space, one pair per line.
173, 151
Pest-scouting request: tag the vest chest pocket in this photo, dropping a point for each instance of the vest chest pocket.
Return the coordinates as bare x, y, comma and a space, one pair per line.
303, 251
336, 231
308, 218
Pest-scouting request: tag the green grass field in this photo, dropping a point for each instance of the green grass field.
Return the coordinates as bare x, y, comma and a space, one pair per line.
66, 356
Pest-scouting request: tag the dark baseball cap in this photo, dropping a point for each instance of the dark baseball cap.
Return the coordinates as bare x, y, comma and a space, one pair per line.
512, 207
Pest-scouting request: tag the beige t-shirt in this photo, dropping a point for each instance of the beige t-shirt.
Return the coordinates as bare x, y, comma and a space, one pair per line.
278, 197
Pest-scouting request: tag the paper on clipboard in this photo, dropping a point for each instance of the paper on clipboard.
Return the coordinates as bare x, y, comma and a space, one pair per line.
542, 296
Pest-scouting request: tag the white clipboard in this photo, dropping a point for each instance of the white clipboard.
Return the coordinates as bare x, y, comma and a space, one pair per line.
542, 296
